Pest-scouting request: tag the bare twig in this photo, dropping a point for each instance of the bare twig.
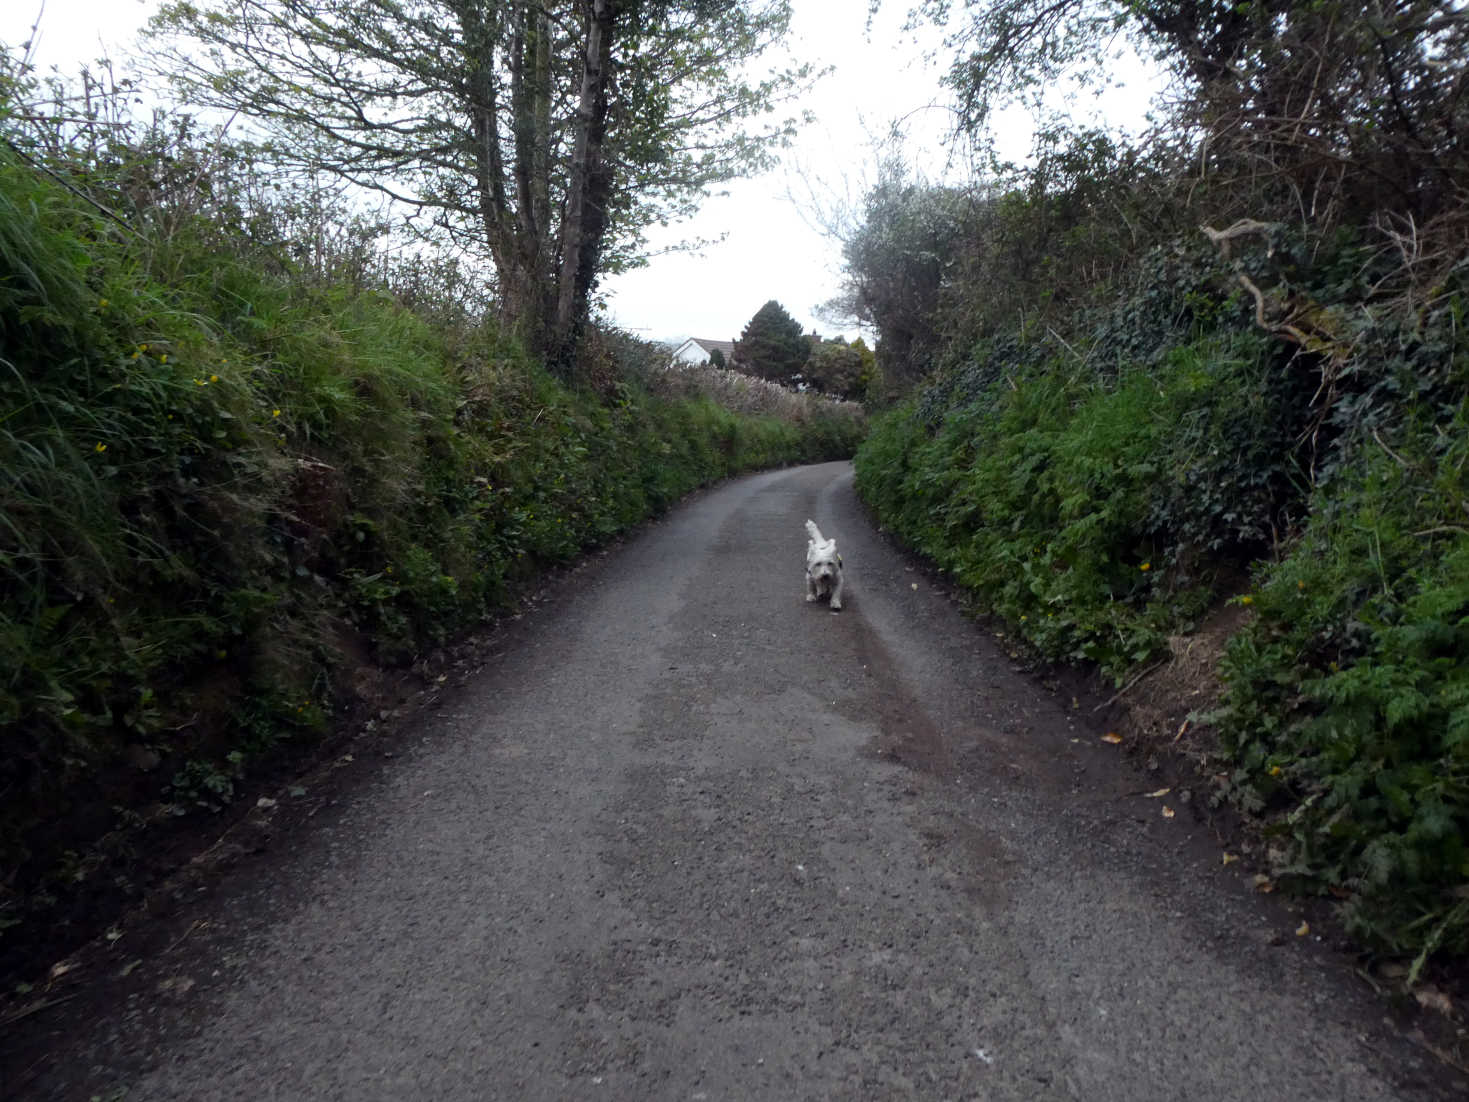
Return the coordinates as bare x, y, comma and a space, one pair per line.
35, 1008
78, 192
1401, 462
1154, 668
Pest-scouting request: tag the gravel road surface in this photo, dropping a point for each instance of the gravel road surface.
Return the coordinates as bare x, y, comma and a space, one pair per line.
690, 837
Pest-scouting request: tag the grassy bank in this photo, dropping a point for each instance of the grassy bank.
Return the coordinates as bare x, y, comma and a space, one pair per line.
229, 476
1104, 492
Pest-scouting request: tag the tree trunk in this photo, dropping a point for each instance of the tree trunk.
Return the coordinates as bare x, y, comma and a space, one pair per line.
522, 295
585, 222
530, 97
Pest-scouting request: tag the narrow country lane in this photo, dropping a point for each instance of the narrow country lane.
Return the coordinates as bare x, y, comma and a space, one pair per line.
690, 837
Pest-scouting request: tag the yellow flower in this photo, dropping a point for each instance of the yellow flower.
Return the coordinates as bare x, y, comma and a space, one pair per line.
102, 304
142, 348
101, 447
275, 413
200, 382
1247, 600
1146, 566
1275, 770
214, 378
1300, 585
136, 355
163, 359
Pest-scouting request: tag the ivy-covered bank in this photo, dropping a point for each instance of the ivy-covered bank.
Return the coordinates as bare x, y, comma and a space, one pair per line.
1104, 491
223, 471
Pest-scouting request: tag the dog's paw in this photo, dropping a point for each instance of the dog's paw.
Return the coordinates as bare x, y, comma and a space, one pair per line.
836, 606
810, 596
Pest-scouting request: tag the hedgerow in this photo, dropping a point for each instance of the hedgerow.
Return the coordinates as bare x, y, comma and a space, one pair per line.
228, 475
1347, 713
1102, 492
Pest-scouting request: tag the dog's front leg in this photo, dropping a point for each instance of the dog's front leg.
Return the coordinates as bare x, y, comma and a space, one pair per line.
810, 587
836, 593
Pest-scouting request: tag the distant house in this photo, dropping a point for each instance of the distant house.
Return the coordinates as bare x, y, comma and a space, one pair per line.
697, 350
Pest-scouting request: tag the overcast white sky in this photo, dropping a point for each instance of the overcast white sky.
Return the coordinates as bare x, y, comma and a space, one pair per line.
771, 248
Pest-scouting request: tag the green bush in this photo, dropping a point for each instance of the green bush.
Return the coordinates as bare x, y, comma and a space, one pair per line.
1100, 495
1347, 713
1093, 513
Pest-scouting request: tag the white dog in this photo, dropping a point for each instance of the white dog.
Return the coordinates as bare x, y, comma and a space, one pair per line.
823, 568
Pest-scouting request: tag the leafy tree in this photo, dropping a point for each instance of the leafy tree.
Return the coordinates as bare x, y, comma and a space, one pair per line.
838, 368
545, 136
716, 358
895, 267
772, 345
1278, 103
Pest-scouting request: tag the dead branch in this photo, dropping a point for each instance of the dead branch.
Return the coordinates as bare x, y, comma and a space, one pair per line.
1222, 238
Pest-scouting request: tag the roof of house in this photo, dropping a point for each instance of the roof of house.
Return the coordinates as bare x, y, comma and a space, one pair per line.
709, 346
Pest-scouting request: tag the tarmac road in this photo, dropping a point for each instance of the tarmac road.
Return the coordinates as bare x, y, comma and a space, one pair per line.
690, 837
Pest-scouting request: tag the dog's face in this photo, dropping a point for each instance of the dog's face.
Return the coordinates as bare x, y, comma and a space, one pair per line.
822, 563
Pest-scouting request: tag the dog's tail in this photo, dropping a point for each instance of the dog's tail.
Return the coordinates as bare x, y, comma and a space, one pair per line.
813, 531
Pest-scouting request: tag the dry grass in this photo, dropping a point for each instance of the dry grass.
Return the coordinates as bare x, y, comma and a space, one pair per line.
748, 394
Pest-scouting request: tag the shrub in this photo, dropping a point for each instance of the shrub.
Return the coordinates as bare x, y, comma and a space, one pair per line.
1068, 503
1347, 713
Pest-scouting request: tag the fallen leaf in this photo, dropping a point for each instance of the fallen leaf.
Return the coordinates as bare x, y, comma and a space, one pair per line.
1263, 883
1160, 792
129, 968
60, 968
1303, 929
1431, 998
1168, 812
1229, 859
914, 585
1112, 737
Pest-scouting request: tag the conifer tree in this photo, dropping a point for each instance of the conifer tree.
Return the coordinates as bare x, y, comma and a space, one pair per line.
772, 345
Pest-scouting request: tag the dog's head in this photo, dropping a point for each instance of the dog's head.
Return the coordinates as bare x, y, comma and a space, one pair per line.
823, 570
822, 561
